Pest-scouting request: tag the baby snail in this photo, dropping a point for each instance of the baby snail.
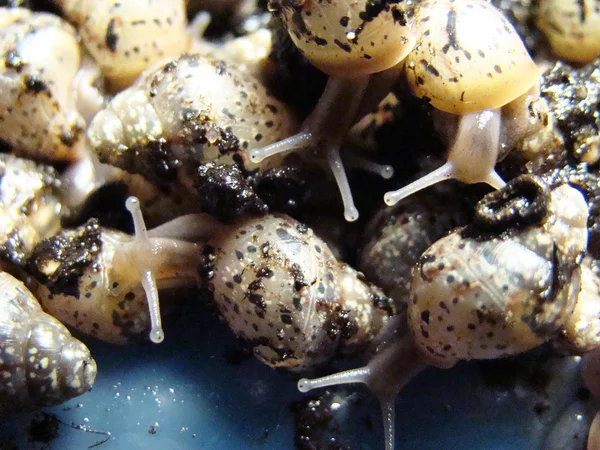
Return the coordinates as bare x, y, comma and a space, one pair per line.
180, 114
40, 59
29, 206
41, 364
360, 45
126, 37
500, 287
572, 27
105, 282
279, 287
468, 61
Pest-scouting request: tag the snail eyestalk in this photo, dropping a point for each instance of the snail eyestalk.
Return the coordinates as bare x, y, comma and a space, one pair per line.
148, 281
385, 375
471, 159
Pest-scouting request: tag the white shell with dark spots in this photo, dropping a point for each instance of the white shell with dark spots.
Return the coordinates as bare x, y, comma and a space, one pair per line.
572, 27
41, 364
348, 37
280, 287
191, 105
126, 37
468, 57
488, 297
39, 58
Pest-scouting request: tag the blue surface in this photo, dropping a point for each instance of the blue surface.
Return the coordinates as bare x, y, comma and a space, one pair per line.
201, 400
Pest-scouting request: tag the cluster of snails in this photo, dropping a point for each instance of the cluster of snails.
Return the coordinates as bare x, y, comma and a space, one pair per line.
129, 95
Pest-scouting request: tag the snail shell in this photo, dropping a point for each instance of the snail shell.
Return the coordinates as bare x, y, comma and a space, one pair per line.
572, 27
487, 297
41, 364
93, 279
280, 287
126, 37
40, 58
348, 37
184, 112
468, 57
29, 207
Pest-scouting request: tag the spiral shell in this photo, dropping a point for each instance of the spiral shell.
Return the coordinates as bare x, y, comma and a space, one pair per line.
280, 287
490, 296
29, 207
468, 57
41, 364
187, 111
39, 60
348, 37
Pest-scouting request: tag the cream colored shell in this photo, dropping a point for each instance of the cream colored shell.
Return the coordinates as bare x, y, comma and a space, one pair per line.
572, 27
348, 37
468, 57
126, 37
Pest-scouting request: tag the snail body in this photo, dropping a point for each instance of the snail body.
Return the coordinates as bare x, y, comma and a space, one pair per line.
105, 282
360, 45
468, 61
572, 27
498, 289
41, 364
37, 111
127, 37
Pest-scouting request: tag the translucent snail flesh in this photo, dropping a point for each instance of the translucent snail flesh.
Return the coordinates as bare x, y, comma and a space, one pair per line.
41, 364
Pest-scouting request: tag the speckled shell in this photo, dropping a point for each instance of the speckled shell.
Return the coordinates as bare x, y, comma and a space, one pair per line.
126, 37
29, 206
280, 287
401, 235
468, 57
41, 364
345, 38
39, 58
90, 279
572, 27
190, 110
486, 297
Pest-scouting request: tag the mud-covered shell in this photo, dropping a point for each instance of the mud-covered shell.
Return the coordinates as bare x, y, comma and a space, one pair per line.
345, 37
279, 287
184, 112
29, 206
572, 27
39, 58
90, 278
468, 57
486, 297
126, 37
41, 364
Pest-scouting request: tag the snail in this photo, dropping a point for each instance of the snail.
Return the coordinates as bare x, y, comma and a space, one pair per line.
183, 113
279, 287
41, 364
126, 37
572, 27
105, 282
468, 61
499, 287
360, 45
29, 206
40, 59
